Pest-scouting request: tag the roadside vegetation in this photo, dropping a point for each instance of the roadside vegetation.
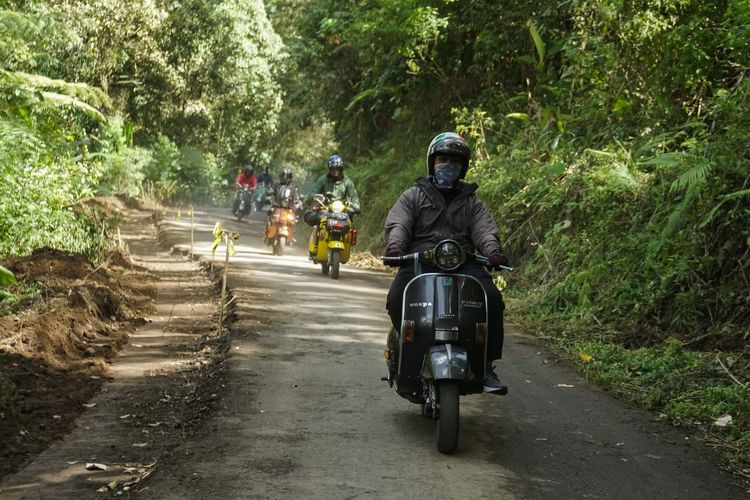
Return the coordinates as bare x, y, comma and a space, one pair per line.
611, 143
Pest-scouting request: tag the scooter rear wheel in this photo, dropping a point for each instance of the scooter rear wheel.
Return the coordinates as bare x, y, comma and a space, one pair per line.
446, 425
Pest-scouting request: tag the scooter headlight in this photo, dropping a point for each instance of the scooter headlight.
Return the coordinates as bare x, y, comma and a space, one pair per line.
337, 206
449, 255
291, 217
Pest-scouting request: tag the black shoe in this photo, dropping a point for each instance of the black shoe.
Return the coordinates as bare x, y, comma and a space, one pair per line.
493, 385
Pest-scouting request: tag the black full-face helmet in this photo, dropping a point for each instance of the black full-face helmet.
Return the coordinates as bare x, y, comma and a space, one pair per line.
286, 175
449, 144
336, 167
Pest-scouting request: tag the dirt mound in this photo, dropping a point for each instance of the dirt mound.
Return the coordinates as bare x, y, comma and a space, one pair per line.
54, 352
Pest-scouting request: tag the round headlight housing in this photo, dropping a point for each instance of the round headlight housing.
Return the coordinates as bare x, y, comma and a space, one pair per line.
337, 206
449, 255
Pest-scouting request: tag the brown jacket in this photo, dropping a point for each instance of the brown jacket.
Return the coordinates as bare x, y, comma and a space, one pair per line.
420, 218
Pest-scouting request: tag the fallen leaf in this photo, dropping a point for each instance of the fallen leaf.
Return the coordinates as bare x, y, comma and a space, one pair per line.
89, 405
565, 385
140, 445
95, 466
125, 416
72, 462
113, 485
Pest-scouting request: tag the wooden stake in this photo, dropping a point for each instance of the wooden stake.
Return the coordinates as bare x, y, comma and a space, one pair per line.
224, 282
192, 231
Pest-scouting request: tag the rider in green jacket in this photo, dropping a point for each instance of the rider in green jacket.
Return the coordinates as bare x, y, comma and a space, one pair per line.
334, 182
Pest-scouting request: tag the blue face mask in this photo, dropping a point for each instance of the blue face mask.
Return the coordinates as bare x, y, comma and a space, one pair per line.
447, 175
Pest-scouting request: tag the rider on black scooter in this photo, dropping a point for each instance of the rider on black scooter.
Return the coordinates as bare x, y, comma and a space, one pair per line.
439, 206
245, 179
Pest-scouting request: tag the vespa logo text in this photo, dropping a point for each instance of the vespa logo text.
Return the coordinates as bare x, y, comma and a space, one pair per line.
472, 303
420, 304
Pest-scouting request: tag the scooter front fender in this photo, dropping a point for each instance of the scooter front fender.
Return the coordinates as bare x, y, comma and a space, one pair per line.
446, 362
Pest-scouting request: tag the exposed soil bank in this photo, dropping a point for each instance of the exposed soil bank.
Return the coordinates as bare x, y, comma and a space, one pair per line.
113, 364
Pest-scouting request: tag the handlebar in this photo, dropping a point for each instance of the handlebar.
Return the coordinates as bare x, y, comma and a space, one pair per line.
408, 258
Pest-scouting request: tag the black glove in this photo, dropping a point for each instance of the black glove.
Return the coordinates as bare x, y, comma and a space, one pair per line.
498, 258
394, 252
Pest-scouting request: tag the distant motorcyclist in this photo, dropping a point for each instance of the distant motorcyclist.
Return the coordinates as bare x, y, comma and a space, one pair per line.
265, 177
278, 196
339, 185
245, 179
442, 206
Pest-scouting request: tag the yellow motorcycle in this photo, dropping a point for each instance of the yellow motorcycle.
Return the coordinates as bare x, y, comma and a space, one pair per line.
332, 240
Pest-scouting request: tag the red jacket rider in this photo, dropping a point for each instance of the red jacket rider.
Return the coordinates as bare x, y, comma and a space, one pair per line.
247, 179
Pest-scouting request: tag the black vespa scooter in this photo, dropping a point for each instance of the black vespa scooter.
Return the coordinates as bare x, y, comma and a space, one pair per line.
441, 350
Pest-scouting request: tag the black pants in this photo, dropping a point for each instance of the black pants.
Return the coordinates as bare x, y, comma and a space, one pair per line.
495, 305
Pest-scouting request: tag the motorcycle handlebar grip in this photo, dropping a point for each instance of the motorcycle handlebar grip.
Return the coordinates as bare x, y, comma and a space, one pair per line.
397, 261
481, 259
391, 261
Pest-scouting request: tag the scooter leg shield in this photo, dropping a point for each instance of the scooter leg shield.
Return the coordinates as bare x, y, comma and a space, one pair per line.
312, 244
446, 362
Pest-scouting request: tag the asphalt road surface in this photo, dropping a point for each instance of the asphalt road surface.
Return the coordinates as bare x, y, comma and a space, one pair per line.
304, 413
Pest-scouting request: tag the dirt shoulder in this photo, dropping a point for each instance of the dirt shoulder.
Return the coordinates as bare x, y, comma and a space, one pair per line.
112, 365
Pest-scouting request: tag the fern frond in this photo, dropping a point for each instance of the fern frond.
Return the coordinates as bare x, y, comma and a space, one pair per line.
90, 95
675, 218
16, 25
724, 199
66, 100
55, 92
672, 159
692, 177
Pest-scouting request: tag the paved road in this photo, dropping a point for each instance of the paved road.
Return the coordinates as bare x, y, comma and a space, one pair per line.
305, 415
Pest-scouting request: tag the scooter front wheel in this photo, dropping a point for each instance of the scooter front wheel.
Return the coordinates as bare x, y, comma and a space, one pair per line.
335, 263
279, 244
446, 425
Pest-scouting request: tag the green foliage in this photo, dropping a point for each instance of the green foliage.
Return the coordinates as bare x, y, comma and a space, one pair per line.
610, 143
12, 300
6, 278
